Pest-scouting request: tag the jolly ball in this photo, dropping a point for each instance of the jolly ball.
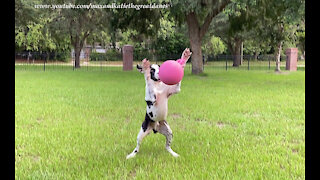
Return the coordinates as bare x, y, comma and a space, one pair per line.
171, 72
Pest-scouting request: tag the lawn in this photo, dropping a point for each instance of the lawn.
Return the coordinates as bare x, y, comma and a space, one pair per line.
233, 124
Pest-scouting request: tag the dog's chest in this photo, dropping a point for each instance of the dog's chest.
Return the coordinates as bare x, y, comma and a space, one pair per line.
157, 102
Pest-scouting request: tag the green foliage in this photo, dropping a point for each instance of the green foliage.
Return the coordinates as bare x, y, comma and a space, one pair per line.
171, 40
63, 56
145, 21
214, 47
275, 19
113, 55
128, 37
202, 8
169, 46
301, 41
94, 56
35, 37
160, 33
140, 53
110, 55
25, 12
103, 37
255, 46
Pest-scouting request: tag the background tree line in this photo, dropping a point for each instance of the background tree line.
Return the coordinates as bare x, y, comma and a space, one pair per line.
208, 27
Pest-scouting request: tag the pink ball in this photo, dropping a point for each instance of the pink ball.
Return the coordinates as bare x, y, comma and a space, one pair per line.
171, 72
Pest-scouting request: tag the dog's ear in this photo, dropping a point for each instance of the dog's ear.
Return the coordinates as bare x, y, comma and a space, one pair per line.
139, 68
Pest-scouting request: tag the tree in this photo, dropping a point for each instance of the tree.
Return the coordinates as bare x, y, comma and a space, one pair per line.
140, 27
35, 37
198, 16
78, 23
235, 27
275, 19
25, 13
233, 38
170, 40
255, 46
214, 46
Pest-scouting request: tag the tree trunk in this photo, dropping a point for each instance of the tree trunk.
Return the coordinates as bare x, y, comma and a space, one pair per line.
241, 53
197, 32
278, 54
196, 58
28, 57
78, 45
195, 43
237, 53
77, 52
255, 54
48, 56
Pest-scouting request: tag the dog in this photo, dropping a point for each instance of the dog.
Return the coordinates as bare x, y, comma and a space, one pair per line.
156, 97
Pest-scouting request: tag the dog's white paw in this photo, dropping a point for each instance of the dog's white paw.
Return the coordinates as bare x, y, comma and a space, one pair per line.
132, 155
173, 153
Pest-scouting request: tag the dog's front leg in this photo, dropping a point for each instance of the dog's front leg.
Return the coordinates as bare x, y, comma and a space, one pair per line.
174, 89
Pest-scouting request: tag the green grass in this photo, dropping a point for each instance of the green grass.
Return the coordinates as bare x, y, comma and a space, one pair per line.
226, 125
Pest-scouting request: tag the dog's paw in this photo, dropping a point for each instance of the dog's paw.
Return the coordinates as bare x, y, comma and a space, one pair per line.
132, 155
173, 153
186, 54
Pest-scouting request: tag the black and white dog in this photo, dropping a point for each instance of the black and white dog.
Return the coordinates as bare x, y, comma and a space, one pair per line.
157, 94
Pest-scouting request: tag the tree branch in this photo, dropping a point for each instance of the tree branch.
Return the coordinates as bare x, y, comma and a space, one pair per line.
204, 28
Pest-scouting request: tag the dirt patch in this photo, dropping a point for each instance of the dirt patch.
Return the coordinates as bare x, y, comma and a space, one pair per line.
175, 116
220, 124
103, 118
132, 174
39, 120
282, 72
295, 151
35, 158
128, 120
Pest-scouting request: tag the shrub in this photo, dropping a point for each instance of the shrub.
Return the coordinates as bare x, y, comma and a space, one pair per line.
62, 56
94, 56
113, 55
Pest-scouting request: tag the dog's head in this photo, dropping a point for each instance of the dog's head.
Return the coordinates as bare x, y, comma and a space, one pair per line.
154, 69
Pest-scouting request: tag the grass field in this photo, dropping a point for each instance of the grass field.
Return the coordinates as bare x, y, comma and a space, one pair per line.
226, 125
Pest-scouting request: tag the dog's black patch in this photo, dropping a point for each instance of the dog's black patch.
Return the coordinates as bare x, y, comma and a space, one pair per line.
152, 71
146, 122
154, 131
151, 114
149, 103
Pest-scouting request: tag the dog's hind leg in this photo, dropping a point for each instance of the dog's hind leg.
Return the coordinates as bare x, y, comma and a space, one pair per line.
164, 129
144, 131
140, 137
